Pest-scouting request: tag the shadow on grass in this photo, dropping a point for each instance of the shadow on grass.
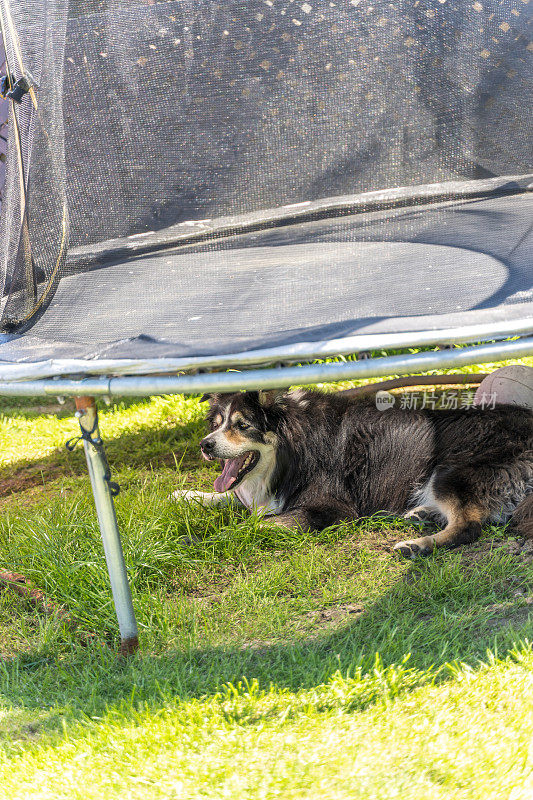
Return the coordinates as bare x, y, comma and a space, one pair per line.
147, 449
438, 612
448, 609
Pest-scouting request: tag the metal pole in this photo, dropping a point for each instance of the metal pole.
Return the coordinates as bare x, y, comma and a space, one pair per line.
147, 385
107, 520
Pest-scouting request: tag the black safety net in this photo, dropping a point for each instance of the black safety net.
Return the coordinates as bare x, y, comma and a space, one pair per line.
198, 178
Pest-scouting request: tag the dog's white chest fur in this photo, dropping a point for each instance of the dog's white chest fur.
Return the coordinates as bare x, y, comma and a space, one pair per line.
254, 496
254, 491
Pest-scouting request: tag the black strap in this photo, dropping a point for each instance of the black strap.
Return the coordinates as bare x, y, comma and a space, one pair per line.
98, 445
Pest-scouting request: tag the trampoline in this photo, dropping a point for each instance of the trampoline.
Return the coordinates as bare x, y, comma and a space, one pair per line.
205, 195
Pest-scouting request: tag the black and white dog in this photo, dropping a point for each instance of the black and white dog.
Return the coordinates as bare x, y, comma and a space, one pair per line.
311, 459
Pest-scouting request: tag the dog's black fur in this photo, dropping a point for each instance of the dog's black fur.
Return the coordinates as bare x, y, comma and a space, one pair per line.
337, 458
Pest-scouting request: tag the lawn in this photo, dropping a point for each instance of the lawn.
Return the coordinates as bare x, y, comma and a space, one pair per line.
272, 665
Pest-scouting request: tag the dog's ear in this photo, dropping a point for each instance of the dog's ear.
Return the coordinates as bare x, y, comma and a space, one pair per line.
268, 397
212, 399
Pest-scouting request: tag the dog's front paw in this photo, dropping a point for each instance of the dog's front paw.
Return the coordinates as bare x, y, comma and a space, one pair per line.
203, 498
192, 496
182, 494
413, 548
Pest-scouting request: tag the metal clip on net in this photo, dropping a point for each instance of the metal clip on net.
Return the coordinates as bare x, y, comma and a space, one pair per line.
15, 89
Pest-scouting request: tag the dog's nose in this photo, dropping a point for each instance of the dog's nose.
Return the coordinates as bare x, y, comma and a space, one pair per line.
207, 446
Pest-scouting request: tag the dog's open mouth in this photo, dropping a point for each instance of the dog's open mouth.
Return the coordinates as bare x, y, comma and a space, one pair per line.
234, 471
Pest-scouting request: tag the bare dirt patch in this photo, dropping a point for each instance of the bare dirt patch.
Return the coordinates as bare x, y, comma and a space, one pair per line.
33, 475
333, 614
519, 548
511, 613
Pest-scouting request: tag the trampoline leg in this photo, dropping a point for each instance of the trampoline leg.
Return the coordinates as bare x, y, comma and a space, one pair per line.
103, 498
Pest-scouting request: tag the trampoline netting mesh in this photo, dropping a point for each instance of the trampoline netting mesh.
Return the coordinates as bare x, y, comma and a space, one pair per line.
199, 178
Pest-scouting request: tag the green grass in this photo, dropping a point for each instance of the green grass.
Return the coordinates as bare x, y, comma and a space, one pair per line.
273, 664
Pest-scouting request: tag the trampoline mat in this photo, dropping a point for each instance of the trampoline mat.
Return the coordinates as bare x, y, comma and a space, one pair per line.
413, 269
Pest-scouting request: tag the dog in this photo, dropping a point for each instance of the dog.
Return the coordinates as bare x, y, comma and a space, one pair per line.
309, 459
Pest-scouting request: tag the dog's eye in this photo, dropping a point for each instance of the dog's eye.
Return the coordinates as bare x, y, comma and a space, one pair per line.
242, 425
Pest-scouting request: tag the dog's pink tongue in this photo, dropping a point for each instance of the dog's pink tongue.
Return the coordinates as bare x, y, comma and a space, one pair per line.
229, 474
